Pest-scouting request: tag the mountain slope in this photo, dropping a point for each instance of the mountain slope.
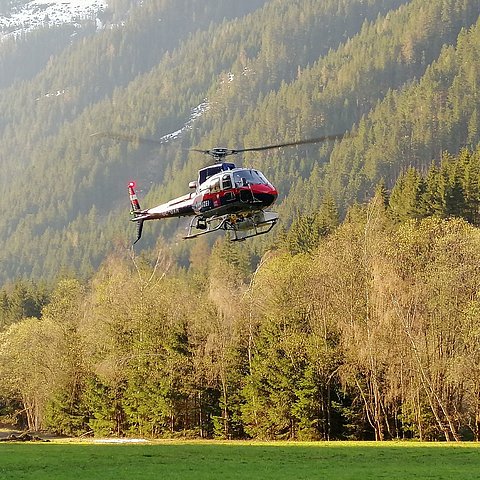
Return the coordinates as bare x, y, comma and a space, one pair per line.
280, 70
412, 127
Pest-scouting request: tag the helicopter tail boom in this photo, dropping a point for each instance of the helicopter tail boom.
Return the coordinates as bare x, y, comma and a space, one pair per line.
178, 207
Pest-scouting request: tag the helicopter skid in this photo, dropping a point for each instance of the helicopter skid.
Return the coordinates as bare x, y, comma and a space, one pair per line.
240, 227
204, 226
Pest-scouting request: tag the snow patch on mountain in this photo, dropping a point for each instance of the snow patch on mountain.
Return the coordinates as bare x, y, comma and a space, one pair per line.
196, 112
47, 13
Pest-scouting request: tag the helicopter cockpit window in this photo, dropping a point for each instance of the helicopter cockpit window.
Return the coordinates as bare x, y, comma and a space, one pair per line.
249, 177
226, 181
262, 177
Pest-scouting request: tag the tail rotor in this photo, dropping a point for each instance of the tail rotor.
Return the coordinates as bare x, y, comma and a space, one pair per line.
135, 210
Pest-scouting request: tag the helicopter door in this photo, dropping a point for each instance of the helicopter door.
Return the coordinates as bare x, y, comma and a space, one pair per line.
226, 182
226, 186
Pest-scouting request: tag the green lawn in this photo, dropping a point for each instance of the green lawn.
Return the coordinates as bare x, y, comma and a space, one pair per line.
210, 460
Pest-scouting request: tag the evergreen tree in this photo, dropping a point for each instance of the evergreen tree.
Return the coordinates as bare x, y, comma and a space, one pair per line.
406, 196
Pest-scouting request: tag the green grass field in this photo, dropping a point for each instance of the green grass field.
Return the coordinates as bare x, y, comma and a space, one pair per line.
212, 460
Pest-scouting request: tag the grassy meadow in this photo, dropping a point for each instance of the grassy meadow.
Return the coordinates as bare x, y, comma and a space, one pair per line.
215, 460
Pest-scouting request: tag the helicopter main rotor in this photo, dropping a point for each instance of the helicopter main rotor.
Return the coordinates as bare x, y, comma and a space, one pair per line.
223, 152
219, 154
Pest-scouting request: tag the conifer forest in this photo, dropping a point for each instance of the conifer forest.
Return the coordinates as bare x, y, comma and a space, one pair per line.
356, 317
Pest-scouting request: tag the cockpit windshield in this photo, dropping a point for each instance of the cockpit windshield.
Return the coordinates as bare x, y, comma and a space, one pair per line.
249, 177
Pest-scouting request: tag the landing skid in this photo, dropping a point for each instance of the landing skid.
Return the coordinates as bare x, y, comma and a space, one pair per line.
204, 226
240, 227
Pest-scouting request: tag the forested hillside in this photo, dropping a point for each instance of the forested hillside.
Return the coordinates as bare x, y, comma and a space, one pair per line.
267, 70
364, 329
356, 317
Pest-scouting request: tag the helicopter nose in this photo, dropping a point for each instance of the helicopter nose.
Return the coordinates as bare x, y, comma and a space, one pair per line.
265, 193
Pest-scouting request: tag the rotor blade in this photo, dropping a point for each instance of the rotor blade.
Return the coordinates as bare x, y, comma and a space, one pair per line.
219, 152
199, 150
291, 144
127, 138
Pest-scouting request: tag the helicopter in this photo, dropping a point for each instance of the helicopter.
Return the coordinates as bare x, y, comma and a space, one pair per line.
224, 196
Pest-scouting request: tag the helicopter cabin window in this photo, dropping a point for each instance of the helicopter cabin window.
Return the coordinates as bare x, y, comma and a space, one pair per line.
226, 182
210, 185
208, 172
215, 185
205, 173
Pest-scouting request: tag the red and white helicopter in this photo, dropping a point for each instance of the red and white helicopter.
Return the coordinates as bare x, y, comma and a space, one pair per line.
225, 197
